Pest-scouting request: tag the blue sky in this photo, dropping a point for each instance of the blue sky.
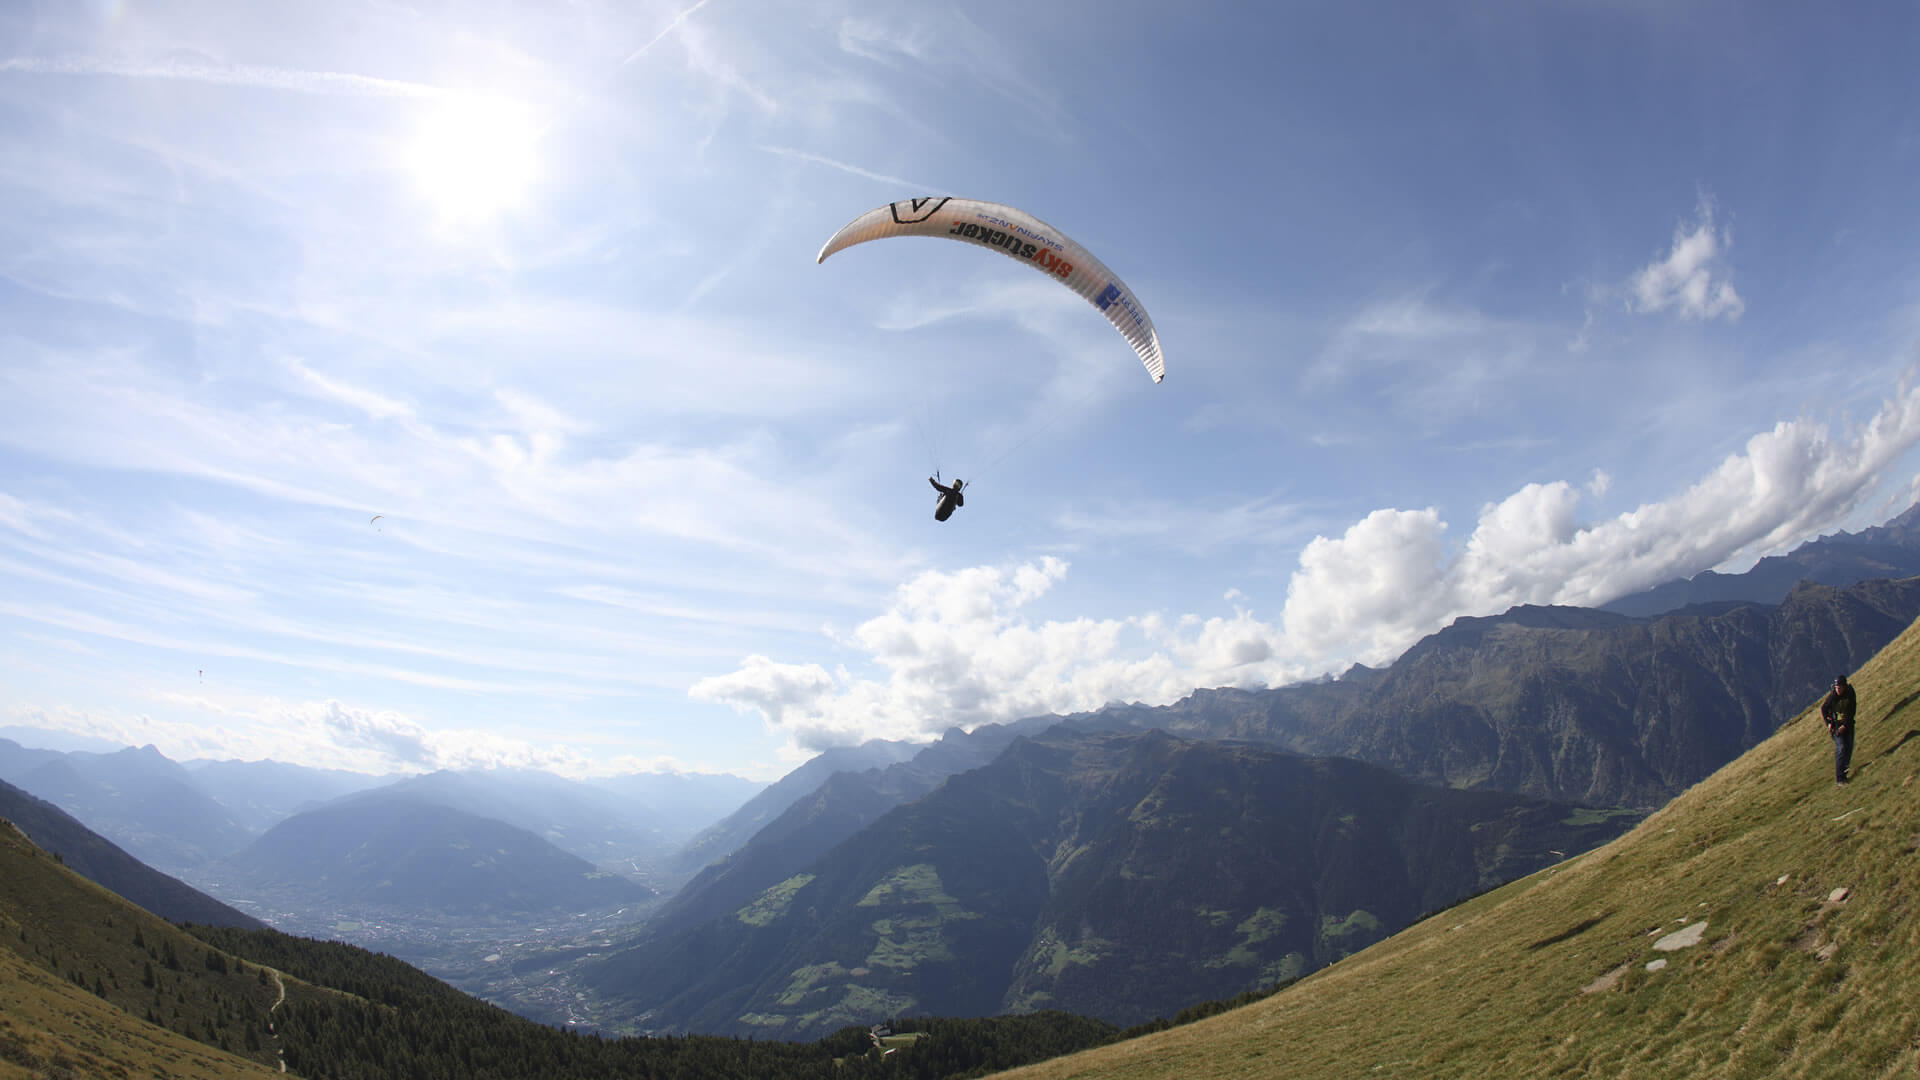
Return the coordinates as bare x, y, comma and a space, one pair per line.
1464, 305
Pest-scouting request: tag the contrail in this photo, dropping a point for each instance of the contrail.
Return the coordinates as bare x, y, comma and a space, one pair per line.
265, 78
856, 170
671, 27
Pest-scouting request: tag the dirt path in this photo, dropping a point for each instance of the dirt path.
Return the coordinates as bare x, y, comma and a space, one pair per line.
277, 1052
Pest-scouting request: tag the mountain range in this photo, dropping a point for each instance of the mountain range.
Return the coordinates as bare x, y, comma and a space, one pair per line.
404, 854
732, 832
188, 819
1758, 925
1117, 875
145, 802
1784, 891
1572, 704
1890, 550
92, 986
98, 860
1761, 924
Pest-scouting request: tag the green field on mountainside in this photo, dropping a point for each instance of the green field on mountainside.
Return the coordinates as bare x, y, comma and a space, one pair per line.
1798, 896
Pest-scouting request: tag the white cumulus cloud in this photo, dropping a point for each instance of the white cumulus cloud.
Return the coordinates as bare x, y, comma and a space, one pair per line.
1693, 278
961, 648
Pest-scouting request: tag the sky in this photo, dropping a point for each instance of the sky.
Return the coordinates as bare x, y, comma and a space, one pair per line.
1464, 305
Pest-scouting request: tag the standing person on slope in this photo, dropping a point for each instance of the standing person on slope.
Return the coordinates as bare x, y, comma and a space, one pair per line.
1837, 710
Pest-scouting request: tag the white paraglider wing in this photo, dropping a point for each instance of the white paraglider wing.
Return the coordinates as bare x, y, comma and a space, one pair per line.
1019, 235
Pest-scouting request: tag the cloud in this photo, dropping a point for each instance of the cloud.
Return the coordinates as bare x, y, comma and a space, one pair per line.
1372, 590
1198, 530
1693, 277
821, 159
961, 647
327, 734
958, 648
376, 405
1431, 362
1390, 579
671, 26
247, 75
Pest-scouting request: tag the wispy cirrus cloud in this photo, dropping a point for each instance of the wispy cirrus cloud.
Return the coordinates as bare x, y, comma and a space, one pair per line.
672, 25
325, 734
252, 76
855, 170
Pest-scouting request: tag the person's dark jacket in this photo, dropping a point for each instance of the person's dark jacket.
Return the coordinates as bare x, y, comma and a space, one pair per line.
1838, 708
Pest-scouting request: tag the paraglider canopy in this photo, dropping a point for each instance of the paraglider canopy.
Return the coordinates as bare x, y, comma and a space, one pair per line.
1018, 235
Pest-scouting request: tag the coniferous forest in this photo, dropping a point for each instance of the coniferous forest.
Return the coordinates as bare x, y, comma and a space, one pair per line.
367, 1016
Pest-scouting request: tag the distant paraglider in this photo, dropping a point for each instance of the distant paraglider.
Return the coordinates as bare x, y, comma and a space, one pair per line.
1018, 235
375, 518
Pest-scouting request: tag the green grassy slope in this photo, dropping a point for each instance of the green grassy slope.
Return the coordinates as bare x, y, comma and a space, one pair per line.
81, 970
1808, 964
52, 1028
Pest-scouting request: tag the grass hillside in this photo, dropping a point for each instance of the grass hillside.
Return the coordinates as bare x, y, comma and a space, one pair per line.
1800, 898
93, 986
51, 1028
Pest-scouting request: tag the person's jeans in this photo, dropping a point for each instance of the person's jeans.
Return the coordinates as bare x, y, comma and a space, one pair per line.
1842, 752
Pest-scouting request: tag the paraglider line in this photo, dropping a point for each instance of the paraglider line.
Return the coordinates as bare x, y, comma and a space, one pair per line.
1053, 417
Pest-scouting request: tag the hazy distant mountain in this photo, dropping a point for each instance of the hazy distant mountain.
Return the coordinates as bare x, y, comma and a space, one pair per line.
681, 804
631, 825
1119, 876
422, 858
729, 834
1571, 703
140, 800
1891, 550
93, 857
261, 794
37, 745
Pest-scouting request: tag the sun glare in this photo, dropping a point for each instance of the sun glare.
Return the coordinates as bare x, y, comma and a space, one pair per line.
473, 158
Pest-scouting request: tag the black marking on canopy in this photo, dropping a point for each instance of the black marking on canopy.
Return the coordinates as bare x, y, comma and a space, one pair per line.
918, 210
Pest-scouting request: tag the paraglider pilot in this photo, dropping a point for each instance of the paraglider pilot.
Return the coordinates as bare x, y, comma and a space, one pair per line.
950, 497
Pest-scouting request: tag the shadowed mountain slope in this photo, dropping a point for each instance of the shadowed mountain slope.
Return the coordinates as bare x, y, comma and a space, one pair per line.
1760, 925
730, 833
1570, 703
1115, 875
843, 804
93, 857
